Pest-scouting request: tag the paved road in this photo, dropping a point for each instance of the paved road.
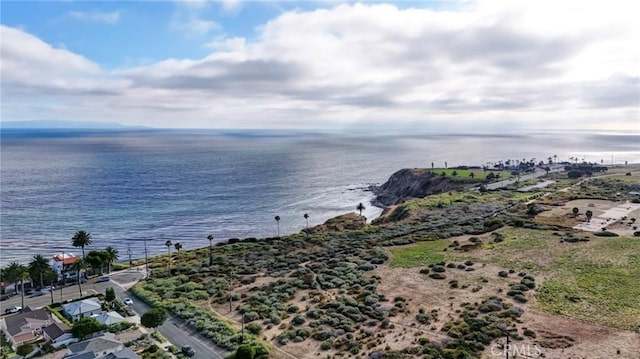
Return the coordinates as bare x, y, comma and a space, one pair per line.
71, 291
177, 332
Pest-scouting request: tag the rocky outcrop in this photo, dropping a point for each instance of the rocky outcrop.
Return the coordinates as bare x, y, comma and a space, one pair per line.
345, 222
412, 183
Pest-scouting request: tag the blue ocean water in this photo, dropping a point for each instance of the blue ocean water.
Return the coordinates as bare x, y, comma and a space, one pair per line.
128, 187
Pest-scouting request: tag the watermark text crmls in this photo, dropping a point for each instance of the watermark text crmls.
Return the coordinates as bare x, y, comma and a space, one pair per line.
526, 350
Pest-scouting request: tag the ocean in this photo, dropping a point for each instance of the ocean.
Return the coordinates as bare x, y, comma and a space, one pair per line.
130, 187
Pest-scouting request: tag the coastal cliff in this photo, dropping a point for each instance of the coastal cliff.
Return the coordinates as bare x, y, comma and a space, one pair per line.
412, 183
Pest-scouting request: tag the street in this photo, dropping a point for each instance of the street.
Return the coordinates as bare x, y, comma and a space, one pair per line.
177, 332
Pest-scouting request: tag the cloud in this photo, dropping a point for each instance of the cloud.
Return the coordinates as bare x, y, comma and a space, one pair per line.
95, 16
189, 18
535, 64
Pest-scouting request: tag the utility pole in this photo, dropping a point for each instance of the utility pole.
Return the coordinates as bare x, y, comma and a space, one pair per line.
146, 260
230, 308
242, 331
129, 251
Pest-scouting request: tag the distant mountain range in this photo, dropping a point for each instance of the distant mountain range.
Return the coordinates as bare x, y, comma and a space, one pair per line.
48, 124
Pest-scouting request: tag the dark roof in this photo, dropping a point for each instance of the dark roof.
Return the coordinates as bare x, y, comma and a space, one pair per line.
56, 330
125, 353
85, 355
16, 321
98, 344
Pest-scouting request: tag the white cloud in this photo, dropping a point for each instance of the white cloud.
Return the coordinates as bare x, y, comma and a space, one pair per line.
189, 18
95, 16
537, 64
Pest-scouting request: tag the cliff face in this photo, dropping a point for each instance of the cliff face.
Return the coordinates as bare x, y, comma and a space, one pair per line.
412, 183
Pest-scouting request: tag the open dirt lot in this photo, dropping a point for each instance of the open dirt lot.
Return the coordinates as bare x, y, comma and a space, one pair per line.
556, 337
606, 214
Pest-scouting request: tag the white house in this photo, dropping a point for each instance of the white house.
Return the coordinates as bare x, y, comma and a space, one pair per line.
58, 334
26, 326
61, 264
108, 318
81, 309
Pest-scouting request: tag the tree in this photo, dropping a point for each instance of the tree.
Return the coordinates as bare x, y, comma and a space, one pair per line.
85, 327
37, 267
109, 294
110, 257
178, 247
79, 266
153, 318
472, 175
81, 239
168, 244
454, 173
15, 273
575, 211
306, 218
210, 238
278, 224
96, 259
589, 214
245, 351
360, 207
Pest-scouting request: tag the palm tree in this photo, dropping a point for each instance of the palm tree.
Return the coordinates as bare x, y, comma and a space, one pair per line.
360, 207
306, 217
17, 272
178, 247
168, 244
37, 267
81, 239
555, 158
278, 224
210, 238
79, 266
111, 257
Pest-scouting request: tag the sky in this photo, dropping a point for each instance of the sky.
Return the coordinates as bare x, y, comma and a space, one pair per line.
485, 65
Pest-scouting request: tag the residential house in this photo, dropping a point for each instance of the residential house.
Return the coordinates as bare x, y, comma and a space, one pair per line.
99, 346
58, 334
125, 353
61, 265
81, 309
108, 318
26, 326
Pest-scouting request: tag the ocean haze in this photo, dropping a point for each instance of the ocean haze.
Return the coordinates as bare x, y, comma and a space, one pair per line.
125, 187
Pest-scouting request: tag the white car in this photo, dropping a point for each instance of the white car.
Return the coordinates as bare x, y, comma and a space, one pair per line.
48, 288
13, 310
128, 301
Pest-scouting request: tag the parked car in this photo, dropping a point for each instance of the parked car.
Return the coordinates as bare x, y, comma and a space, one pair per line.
104, 278
188, 350
48, 288
127, 301
15, 309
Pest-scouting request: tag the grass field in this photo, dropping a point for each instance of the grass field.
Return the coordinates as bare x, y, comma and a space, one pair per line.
596, 281
478, 174
419, 254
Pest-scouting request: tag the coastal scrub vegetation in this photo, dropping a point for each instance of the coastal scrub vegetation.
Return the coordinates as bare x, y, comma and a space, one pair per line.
321, 288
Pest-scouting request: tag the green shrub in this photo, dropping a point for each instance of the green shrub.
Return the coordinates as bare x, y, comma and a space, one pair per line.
245, 351
606, 233
254, 328
437, 276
